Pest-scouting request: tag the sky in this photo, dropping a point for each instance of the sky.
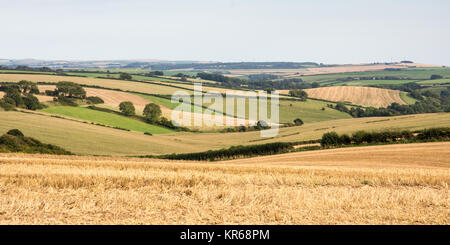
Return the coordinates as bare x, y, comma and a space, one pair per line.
327, 31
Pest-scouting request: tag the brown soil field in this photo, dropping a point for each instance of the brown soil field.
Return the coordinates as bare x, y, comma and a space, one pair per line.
367, 96
395, 184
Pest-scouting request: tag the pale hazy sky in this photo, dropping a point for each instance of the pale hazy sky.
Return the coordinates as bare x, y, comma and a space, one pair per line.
328, 31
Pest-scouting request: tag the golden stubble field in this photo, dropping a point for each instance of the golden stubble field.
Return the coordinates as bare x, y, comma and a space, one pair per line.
367, 96
394, 184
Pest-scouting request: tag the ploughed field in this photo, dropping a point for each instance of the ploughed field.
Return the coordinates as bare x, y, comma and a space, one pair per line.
391, 184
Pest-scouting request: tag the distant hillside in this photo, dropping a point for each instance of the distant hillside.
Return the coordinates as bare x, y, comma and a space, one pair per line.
15, 141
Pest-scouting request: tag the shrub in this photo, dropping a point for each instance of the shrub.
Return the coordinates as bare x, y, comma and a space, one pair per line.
345, 139
14, 141
95, 100
298, 122
32, 103
15, 132
66, 101
329, 139
434, 77
125, 76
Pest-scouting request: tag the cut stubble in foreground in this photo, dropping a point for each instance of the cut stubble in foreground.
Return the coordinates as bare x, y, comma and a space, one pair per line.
39, 189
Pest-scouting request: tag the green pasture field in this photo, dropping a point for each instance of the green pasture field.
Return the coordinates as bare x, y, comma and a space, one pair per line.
106, 118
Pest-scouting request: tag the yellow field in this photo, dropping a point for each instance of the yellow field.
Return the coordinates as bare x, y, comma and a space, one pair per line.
82, 138
107, 83
395, 184
367, 96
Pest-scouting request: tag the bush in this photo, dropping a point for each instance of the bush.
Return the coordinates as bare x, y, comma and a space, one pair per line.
125, 76
434, 77
32, 103
345, 139
330, 139
298, 122
66, 101
15, 132
95, 100
7, 104
14, 141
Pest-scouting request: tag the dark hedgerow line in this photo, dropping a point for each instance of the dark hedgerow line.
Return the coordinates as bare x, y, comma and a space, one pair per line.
329, 140
232, 152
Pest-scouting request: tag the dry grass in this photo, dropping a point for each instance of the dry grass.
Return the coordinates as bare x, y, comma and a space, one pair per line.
107, 83
291, 189
367, 96
82, 138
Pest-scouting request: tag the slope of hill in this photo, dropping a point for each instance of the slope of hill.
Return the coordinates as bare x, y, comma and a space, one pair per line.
367, 96
396, 184
78, 137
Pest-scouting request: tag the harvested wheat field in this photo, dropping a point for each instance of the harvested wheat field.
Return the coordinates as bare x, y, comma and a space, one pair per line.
110, 97
389, 185
107, 83
367, 96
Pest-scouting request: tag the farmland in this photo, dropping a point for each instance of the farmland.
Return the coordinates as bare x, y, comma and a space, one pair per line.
396, 184
77, 136
366, 96
106, 118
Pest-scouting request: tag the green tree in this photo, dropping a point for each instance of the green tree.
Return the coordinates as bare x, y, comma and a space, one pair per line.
71, 90
329, 139
31, 102
125, 76
299, 94
127, 108
152, 112
298, 122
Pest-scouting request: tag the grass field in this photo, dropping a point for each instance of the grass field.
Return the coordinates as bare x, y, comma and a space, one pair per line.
407, 99
367, 96
395, 184
78, 137
106, 118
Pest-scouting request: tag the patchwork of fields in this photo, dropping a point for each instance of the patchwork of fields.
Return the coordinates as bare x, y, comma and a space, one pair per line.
78, 137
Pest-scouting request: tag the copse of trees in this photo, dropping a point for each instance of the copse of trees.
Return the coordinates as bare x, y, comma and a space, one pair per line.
95, 100
125, 76
434, 77
127, 108
28, 87
152, 112
70, 89
20, 95
298, 93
